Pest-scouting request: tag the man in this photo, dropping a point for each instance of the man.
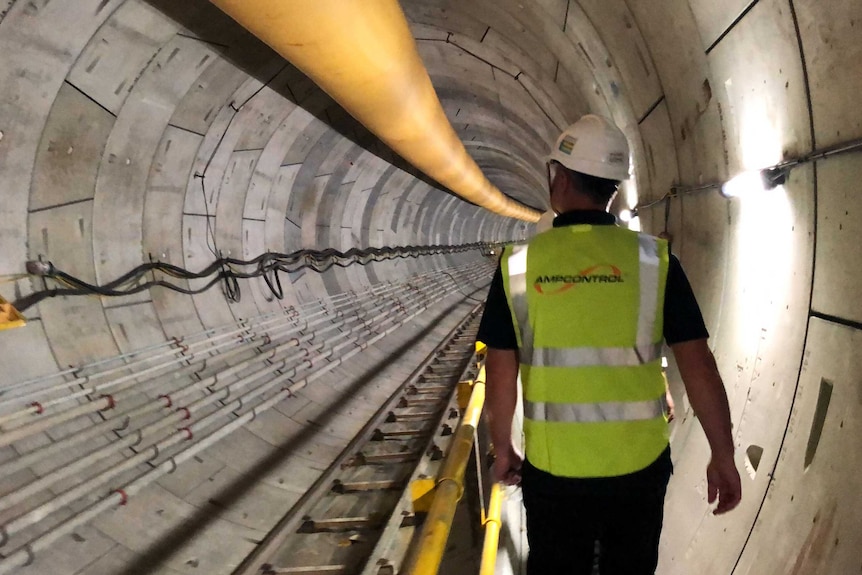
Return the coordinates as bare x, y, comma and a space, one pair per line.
582, 310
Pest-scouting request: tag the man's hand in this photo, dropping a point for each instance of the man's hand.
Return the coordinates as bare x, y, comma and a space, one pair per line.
668, 400
507, 465
708, 399
501, 371
723, 484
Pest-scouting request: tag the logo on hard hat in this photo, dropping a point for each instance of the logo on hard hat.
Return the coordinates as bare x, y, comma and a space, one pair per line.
567, 145
557, 284
616, 158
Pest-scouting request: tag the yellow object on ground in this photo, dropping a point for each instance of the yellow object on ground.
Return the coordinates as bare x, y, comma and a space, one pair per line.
361, 53
9, 316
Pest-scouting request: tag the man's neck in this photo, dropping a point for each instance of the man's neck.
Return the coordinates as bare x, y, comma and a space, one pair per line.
579, 203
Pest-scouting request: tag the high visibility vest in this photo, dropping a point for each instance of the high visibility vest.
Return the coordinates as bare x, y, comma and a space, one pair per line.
587, 303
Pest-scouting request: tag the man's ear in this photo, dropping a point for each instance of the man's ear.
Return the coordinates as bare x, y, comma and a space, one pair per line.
565, 177
570, 182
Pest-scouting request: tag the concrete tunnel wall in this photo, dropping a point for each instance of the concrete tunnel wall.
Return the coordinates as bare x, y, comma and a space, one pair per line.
108, 109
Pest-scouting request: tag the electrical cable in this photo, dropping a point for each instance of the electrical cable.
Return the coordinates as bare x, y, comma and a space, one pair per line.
12, 278
466, 296
773, 175
231, 287
225, 270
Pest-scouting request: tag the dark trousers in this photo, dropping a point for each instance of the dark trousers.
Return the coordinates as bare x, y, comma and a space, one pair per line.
568, 520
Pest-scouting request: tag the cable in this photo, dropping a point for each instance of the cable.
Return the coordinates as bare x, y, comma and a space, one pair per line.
225, 270
12, 278
444, 272
231, 287
773, 175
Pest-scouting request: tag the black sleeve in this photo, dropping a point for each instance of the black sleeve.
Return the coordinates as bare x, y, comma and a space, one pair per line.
682, 318
496, 329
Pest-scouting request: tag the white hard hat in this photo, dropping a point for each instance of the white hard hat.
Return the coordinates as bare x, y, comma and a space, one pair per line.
595, 146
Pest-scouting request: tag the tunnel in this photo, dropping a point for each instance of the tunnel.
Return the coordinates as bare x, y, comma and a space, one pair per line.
150, 132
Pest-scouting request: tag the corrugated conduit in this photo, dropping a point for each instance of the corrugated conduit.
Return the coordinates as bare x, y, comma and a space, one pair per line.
361, 53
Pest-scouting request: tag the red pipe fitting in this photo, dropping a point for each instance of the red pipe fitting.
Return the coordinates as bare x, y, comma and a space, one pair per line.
111, 403
179, 343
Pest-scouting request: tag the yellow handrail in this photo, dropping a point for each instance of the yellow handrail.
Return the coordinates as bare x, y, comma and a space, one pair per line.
493, 523
450, 486
361, 53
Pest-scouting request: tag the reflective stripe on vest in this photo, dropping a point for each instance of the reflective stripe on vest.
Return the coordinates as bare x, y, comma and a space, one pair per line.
649, 278
518, 286
594, 412
587, 356
644, 352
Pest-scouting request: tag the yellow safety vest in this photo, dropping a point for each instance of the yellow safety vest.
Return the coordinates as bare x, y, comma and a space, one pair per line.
588, 306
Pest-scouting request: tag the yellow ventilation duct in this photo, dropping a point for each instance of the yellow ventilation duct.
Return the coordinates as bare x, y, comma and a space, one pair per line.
361, 52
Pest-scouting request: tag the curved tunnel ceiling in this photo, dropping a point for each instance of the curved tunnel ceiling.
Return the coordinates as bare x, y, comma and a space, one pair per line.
373, 70
128, 125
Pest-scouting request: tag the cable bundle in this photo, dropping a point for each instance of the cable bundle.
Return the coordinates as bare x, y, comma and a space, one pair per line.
226, 271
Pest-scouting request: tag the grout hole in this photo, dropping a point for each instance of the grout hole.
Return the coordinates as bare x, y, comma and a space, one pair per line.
823, 399
753, 455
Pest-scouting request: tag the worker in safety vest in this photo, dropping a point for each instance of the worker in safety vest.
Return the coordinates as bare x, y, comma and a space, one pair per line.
582, 310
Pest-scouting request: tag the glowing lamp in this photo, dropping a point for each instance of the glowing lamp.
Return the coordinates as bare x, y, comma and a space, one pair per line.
628, 215
753, 182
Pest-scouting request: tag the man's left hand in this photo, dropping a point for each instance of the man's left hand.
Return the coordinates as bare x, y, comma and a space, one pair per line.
723, 484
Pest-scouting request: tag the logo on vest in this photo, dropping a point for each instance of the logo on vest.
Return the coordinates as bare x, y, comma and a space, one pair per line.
557, 284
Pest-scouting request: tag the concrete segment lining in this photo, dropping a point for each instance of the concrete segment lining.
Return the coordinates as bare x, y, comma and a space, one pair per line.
79, 85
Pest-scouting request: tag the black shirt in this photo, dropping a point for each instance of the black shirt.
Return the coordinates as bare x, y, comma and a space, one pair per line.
682, 318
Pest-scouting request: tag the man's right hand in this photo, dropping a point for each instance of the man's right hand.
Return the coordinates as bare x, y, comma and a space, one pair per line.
723, 483
501, 395
507, 465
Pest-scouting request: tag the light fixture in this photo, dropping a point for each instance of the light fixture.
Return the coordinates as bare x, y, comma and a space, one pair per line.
749, 182
754, 181
628, 215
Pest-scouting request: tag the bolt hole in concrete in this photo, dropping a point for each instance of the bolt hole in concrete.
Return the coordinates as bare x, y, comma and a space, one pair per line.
823, 399
753, 455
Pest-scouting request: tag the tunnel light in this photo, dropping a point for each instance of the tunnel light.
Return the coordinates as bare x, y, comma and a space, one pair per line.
628, 215
753, 182
664, 362
744, 184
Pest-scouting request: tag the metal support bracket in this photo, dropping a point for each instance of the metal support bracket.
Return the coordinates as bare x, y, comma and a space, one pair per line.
422, 493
